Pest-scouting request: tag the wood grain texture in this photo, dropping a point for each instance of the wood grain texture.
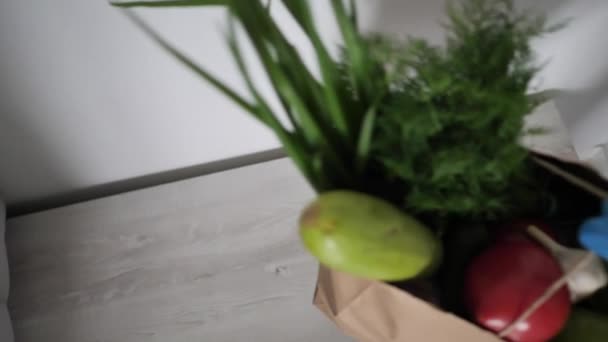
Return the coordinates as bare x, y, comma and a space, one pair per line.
214, 258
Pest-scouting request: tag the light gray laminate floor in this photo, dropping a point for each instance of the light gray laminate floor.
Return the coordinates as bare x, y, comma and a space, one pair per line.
214, 258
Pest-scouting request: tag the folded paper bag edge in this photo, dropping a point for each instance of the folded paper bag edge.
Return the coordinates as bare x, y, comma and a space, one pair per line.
339, 299
339, 289
371, 315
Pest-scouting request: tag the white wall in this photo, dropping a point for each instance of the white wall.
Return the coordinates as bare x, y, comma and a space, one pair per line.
578, 64
86, 99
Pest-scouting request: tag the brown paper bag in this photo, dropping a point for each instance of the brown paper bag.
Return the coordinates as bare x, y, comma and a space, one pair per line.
372, 311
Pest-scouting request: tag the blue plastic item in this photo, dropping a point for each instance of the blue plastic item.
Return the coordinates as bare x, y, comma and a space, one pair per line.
594, 233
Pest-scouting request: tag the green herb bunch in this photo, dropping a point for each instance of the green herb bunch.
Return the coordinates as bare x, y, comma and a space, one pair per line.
434, 129
449, 130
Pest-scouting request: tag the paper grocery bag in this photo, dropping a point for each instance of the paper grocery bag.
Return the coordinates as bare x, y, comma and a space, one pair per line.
373, 311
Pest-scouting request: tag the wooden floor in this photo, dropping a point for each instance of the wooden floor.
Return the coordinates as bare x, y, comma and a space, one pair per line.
214, 258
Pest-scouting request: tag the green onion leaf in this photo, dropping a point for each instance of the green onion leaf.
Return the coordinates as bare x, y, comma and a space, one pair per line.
365, 138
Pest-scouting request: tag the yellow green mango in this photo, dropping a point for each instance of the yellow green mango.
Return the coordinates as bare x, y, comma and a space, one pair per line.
368, 237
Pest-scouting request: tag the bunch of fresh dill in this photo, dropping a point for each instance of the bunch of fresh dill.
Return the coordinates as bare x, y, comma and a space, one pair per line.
449, 131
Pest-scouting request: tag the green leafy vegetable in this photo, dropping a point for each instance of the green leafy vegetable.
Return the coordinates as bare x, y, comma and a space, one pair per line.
434, 129
450, 130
